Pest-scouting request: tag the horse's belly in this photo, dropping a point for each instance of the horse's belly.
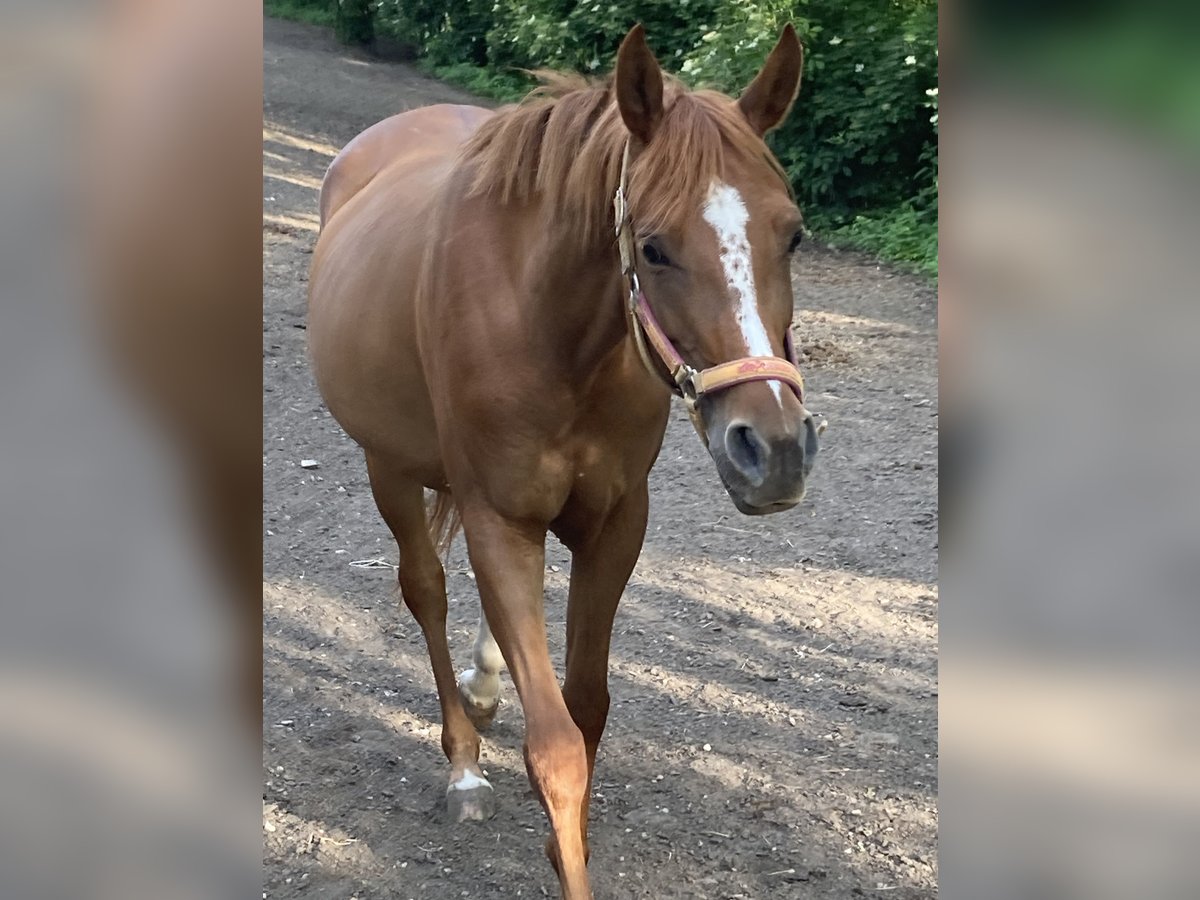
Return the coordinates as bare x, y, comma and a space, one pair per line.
362, 327
379, 397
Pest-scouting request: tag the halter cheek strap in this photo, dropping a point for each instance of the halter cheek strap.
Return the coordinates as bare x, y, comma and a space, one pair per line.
687, 382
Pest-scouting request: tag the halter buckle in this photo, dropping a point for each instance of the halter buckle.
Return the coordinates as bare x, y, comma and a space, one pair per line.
685, 379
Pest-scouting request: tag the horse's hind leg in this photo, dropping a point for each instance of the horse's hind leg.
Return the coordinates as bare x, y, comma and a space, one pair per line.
480, 686
423, 586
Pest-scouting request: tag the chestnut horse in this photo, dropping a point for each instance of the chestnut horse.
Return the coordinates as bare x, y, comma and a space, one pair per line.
501, 305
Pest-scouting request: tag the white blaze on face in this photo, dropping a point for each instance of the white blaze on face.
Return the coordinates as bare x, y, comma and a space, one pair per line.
727, 214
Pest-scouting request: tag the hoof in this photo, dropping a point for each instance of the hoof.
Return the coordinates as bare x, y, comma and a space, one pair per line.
470, 799
481, 715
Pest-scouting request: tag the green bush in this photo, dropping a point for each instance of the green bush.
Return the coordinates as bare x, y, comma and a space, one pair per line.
449, 32
314, 12
507, 87
860, 147
904, 234
856, 138
584, 36
354, 21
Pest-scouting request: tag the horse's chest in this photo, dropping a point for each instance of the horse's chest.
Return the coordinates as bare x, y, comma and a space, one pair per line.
605, 467
545, 484
597, 484
598, 480
571, 461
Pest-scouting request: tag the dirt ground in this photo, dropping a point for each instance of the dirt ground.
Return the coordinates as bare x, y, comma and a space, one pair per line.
774, 719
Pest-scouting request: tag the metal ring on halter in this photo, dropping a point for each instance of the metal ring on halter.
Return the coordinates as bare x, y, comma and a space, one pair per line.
685, 377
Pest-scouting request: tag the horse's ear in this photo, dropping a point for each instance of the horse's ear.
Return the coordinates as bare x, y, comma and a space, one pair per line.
766, 102
639, 86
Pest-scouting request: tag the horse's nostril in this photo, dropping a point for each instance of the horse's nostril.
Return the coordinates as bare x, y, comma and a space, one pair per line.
747, 452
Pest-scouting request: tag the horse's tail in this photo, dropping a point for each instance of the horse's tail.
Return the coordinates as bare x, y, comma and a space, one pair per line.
444, 521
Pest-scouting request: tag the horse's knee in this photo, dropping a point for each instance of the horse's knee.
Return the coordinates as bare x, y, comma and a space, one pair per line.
422, 577
423, 587
589, 709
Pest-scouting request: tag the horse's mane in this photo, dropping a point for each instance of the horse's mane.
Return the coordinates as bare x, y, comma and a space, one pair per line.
565, 141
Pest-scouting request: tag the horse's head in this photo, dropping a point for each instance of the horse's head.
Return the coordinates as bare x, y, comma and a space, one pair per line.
714, 228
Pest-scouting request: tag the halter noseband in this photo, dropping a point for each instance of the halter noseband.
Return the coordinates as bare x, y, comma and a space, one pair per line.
685, 381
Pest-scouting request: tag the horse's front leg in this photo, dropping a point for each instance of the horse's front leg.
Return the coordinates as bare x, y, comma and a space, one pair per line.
600, 568
509, 561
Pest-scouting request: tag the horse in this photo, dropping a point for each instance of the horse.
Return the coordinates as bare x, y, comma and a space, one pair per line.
501, 306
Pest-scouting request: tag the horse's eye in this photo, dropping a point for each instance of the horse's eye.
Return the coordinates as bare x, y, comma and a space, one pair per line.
653, 255
796, 239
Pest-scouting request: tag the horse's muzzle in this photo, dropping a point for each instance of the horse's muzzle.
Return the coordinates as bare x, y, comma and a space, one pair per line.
765, 469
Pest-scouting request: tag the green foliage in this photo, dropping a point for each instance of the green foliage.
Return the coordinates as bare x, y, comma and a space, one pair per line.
584, 36
860, 146
354, 21
861, 127
507, 87
856, 137
313, 12
904, 234
449, 32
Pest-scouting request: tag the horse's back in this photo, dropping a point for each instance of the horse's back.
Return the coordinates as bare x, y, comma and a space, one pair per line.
378, 205
403, 139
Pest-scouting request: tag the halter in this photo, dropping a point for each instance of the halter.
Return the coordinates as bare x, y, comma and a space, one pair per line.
686, 381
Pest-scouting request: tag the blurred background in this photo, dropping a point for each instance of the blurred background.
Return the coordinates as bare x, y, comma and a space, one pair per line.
1068, 311
130, 360
130, 245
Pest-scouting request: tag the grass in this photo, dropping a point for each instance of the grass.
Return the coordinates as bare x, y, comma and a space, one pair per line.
506, 87
301, 11
904, 236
